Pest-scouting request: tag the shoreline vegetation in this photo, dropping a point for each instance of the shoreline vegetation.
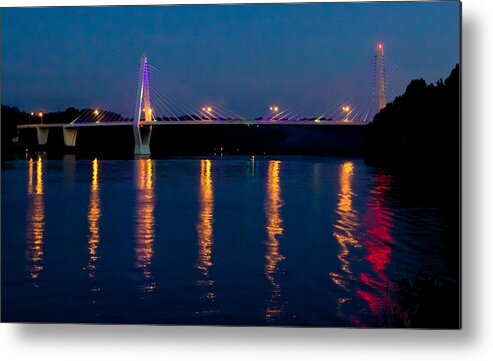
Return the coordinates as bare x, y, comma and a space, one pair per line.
421, 124
417, 136
425, 301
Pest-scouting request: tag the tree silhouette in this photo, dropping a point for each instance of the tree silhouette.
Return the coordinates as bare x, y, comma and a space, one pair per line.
420, 127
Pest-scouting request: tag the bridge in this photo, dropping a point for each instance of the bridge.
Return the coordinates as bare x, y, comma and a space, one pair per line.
146, 117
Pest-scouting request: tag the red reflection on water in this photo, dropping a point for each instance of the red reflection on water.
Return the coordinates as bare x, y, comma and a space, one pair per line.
367, 280
379, 257
373, 301
377, 248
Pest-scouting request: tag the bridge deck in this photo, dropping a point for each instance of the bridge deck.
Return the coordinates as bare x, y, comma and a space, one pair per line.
194, 122
201, 137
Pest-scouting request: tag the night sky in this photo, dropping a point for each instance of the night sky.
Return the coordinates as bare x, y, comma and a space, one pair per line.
244, 57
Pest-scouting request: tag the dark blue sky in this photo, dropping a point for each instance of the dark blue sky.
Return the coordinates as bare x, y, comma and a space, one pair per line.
244, 57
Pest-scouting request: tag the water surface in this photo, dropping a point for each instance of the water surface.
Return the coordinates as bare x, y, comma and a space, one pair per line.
221, 240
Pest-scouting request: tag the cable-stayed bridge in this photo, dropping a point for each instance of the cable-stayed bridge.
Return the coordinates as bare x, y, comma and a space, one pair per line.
154, 108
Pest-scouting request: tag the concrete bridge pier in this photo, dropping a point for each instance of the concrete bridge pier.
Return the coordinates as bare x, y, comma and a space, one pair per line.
42, 134
69, 136
142, 138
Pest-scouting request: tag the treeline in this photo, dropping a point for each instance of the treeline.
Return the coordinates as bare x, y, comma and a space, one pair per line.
12, 117
420, 127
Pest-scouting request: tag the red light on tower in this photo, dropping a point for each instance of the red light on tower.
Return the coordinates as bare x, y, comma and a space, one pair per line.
380, 46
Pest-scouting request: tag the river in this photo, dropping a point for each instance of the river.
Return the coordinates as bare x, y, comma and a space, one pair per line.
233, 240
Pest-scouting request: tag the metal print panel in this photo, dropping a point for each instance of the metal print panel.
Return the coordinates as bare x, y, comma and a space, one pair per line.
249, 165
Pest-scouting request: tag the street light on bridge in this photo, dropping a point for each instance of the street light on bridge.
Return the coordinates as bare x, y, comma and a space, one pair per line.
208, 110
274, 109
346, 109
40, 115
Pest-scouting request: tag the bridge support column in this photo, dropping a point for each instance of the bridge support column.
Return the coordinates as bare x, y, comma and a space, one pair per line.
142, 138
69, 136
42, 134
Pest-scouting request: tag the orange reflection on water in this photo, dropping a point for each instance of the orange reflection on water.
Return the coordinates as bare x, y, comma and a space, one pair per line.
274, 230
93, 217
30, 185
35, 218
345, 226
145, 219
204, 226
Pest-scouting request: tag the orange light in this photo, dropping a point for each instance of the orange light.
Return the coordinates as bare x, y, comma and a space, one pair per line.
145, 217
96, 112
205, 229
275, 231
40, 114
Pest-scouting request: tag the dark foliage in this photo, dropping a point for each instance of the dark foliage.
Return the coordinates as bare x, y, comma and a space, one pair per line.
428, 302
11, 118
418, 135
422, 126
64, 117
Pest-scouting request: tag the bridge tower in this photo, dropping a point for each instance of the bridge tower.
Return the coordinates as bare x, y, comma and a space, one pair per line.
143, 112
380, 77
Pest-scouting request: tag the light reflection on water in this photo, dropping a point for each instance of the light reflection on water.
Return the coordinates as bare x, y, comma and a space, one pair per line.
93, 217
377, 246
345, 228
205, 233
144, 220
363, 246
35, 218
274, 230
213, 197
